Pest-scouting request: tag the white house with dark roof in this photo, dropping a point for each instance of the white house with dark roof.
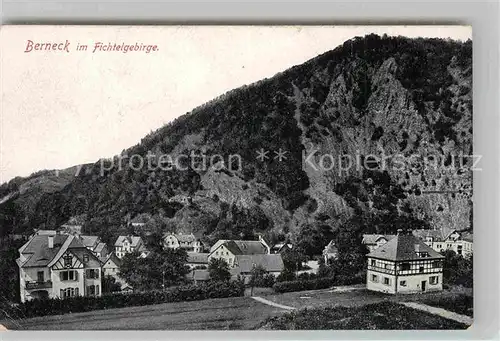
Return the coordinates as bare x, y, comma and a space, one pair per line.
53, 265
129, 244
457, 241
111, 267
180, 240
243, 255
405, 264
374, 241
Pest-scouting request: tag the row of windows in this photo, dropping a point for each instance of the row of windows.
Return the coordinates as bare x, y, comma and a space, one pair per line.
406, 265
433, 280
93, 290
68, 292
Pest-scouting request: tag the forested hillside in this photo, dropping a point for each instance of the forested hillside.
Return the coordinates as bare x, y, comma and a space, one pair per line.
372, 94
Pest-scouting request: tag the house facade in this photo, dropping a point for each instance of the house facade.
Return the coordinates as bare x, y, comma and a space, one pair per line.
186, 241
57, 266
229, 249
197, 260
405, 264
243, 255
111, 267
459, 242
374, 241
128, 244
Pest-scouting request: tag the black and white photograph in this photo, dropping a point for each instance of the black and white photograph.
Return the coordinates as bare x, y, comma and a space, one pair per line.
236, 177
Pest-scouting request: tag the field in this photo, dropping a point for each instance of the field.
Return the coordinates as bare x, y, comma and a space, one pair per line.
352, 307
382, 315
226, 313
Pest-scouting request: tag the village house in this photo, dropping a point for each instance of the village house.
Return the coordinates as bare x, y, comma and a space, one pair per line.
243, 255
111, 267
186, 241
244, 264
405, 264
197, 260
281, 247
129, 244
54, 265
374, 241
330, 252
459, 242
229, 249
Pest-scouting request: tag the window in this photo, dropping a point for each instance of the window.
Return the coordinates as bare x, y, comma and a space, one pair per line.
386, 266
68, 260
92, 273
69, 275
373, 262
97, 289
387, 281
402, 283
433, 280
68, 292
90, 290
440, 246
374, 278
421, 269
405, 266
85, 258
40, 277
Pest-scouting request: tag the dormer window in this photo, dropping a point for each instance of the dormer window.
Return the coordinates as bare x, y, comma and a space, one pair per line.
68, 261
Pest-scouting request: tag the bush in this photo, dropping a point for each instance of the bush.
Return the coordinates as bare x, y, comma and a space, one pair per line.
300, 285
82, 303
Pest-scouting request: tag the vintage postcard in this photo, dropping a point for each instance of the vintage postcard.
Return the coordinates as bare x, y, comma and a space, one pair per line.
236, 177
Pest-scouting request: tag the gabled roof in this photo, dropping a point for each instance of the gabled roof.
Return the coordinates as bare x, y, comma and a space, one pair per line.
100, 247
404, 247
280, 246
436, 235
37, 250
197, 258
113, 258
89, 241
374, 238
133, 240
246, 263
186, 238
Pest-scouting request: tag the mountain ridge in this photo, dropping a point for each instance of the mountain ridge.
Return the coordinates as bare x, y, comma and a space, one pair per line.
372, 93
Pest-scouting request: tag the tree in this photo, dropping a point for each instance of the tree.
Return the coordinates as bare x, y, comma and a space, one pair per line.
109, 284
324, 270
159, 269
457, 269
218, 270
313, 238
259, 277
286, 275
292, 259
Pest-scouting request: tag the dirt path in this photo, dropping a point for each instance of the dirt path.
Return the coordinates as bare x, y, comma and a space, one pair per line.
440, 311
281, 306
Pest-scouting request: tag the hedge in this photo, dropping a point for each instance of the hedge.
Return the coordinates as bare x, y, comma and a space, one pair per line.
58, 306
300, 285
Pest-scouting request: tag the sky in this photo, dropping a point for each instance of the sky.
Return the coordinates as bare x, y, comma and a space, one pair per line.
61, 108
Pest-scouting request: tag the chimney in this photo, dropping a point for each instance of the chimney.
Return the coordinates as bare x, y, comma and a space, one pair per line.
51, 242
417, 248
